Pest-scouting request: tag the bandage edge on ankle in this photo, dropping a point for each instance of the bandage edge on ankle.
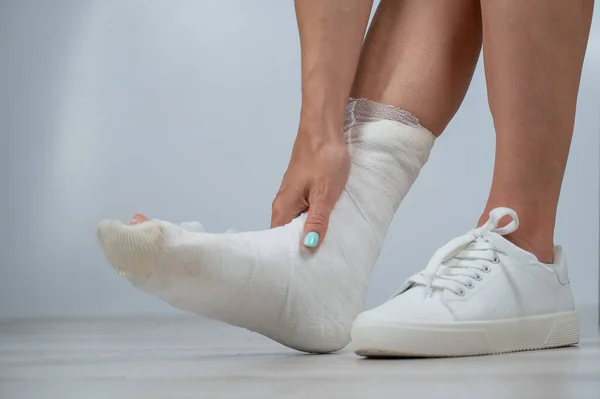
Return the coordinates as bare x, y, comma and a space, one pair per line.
362, 110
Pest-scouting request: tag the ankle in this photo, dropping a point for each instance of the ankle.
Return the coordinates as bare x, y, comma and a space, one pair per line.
543, 249
535, 234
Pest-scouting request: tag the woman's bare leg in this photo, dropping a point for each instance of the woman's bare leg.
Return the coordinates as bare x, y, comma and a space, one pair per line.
533, 53
420, 56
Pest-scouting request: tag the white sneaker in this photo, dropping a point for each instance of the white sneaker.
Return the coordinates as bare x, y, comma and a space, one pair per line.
479, 294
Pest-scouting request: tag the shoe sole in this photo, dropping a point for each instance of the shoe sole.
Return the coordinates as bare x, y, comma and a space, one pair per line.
379, 339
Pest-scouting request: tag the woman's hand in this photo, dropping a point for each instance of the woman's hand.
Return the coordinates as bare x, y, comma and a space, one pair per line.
315, 178
331, 38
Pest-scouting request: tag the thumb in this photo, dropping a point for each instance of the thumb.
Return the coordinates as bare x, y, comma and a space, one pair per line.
287, 205
315, 226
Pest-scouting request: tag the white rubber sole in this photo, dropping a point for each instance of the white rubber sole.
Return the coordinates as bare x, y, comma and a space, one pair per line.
379, 339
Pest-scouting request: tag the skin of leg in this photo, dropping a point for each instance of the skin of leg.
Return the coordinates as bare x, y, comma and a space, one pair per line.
420, 56
533, 55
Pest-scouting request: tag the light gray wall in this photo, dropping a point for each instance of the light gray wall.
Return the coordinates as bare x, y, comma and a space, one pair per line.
188, 109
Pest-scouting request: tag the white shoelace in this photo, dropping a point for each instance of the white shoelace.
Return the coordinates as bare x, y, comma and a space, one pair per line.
461, 261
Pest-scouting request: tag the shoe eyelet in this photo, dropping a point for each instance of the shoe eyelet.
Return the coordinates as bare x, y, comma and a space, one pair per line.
487, 269
496, 260
478, 277
471, 285
461, 293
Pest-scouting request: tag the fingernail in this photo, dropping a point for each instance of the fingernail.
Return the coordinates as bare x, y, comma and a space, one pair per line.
311, 240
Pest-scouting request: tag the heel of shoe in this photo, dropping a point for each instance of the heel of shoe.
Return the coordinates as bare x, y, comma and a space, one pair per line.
565, 331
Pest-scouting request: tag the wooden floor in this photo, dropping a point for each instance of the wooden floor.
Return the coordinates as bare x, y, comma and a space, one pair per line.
194, 358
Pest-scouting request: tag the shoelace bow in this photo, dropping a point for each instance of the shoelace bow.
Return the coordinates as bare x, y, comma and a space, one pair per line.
462, 260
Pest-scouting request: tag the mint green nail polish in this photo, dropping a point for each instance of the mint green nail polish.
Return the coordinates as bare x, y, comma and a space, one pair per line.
311, 240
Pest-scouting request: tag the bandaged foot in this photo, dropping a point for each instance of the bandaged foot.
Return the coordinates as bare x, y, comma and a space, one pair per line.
266, 281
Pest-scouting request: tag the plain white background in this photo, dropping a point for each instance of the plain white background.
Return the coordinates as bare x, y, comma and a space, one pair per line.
187, 110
